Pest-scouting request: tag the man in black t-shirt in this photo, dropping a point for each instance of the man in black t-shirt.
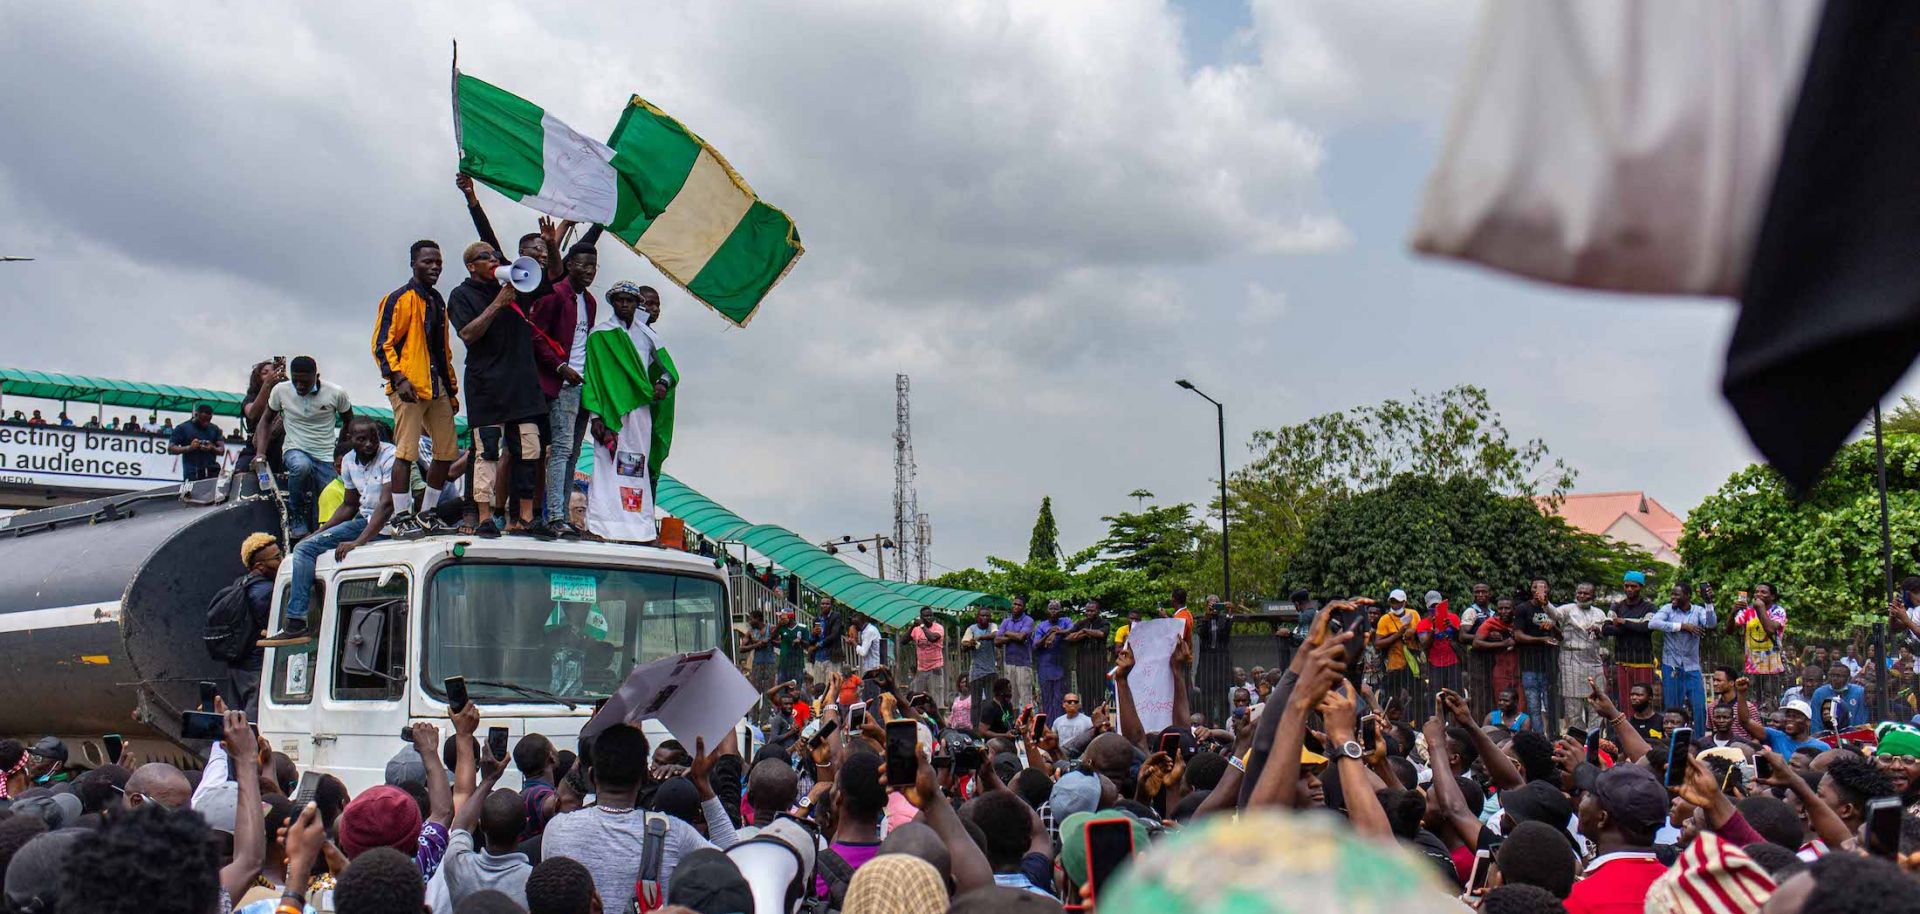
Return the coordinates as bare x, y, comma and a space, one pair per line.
996, 717
504, 401
1632, 637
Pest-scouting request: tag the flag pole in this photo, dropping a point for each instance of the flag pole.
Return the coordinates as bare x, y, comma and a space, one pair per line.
453, 92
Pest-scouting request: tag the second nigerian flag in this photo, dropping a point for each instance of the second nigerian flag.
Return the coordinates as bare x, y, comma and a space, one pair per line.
655, 185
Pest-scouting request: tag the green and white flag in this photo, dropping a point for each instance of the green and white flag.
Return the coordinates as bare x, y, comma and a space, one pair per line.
529, 155
655, 185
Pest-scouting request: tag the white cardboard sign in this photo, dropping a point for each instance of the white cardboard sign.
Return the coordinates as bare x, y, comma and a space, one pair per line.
1152, 679
697, 695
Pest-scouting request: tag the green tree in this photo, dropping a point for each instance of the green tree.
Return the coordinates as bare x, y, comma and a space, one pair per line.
1298, 471
1905, 418
1821, 551
1043, 548
1420, 532
1082, 577
1157, 540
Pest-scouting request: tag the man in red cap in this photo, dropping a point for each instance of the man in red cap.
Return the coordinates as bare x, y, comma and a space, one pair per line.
387, 816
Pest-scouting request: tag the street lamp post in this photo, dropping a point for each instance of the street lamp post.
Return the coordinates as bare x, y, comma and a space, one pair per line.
1226, 548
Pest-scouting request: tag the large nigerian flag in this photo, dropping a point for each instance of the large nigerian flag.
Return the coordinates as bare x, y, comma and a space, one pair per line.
655, 185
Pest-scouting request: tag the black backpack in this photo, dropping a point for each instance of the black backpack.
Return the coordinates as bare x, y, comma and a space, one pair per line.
230, 629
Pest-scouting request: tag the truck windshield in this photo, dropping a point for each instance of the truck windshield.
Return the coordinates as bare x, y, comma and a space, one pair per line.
572, 631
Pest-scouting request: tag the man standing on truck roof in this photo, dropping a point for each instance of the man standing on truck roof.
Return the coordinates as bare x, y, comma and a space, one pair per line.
260, 553
411, 350
629, 392
367, 467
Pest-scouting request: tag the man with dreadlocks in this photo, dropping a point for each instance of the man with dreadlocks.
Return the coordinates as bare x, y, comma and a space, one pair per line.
628, 390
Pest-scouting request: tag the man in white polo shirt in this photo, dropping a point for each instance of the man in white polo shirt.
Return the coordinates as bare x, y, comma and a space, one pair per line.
311, 410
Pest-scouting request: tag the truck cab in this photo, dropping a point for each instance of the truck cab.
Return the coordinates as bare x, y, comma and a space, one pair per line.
541, 630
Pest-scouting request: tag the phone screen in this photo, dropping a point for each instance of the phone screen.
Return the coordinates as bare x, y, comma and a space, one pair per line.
208, 692
1040, 723
1482, 867
1578, 734
112, 743
826, 729
202, 725
1679, 755
1593, 746
1883, 826
1109, 845
1762, 767
903, 756
1170, 743
456, 693
303, 794
497, 743
857, 716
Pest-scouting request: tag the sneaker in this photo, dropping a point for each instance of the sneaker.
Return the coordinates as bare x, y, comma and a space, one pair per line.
432, 524
488, 530
293, 632
563, 530
406, 526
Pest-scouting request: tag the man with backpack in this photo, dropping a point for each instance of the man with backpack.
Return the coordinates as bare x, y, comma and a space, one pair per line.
237, 618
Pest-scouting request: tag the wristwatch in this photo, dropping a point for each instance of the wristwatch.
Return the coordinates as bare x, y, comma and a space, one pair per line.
1350, 749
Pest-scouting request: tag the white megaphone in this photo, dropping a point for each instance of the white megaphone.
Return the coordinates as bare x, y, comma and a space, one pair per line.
772, 870
522, 274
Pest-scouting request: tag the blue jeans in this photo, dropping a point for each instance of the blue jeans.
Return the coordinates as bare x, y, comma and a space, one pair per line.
309, 552
1539, 709
306, 476
1683, 689
561, 413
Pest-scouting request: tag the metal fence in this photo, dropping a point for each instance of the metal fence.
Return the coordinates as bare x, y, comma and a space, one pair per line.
1549, 683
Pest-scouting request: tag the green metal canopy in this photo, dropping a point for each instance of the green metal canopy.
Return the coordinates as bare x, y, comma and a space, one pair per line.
892, 603
51, 385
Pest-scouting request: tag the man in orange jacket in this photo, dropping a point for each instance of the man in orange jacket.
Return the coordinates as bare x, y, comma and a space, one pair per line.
411, 350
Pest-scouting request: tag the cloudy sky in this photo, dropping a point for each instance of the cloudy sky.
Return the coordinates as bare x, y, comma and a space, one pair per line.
1044, 212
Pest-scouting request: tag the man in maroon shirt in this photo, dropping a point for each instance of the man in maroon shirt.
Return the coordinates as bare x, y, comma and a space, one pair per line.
1620, 814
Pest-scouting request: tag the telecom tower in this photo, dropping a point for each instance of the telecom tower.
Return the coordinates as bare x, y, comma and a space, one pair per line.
912, 530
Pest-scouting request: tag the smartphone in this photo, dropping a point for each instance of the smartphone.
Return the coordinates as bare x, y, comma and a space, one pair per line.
406, 734
456, 694
303, 794
1679, 755
497, 743
1482, 868
1577, 734
1040, 723
1762, 767
1827, 715
1109, 846
826, 730
1367, 737
208, 692
857, 715
903, 754
1170, 744
113, 744
1593, 746
202, 725
1883, 826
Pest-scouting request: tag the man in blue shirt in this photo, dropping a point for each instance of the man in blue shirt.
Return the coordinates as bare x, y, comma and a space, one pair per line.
1796, 724
199, 444
1684, 622
1016, 634
1050, 659
1851, 697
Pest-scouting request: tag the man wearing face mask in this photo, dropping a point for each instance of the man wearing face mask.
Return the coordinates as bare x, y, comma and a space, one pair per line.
628, 392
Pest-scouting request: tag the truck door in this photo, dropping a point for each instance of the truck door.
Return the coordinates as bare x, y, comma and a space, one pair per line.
363, 702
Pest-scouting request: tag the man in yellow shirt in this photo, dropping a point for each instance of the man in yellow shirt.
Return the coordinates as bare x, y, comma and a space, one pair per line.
1399, 649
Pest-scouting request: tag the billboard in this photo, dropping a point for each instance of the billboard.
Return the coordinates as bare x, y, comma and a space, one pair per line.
80, 458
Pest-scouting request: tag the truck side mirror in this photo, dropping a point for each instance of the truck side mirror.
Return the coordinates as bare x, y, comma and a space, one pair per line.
364, 631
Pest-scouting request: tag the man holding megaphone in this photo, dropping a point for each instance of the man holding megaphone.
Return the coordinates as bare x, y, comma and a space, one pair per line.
504, 402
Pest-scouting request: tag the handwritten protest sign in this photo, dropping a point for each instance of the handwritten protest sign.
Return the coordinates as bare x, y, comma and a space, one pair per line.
698, 695
1152, 680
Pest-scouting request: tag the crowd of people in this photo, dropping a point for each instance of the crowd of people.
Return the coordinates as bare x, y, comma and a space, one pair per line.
155, 424
860, 793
